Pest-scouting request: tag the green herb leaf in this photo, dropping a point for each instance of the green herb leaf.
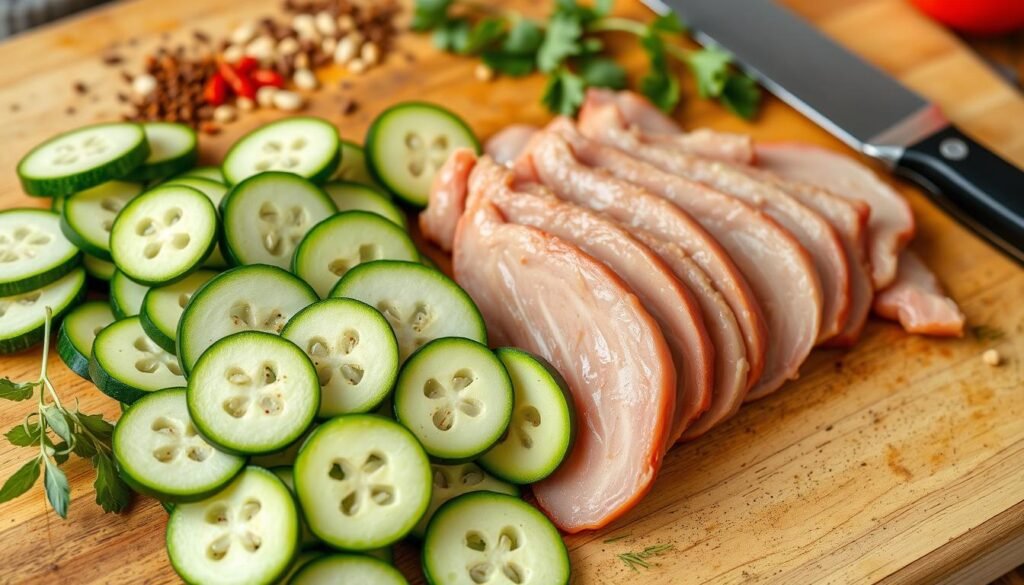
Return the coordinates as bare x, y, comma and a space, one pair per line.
484, 34
741, 95
508, 64
112, 494
84, 447
668, 23
16, 390
659, 84
24, 435
524, 38
710, 67
55, 419
21, 481
602, 8
58, 492
602, 72
60, 452
100, 428
429, 14
561, 42
452, 35
564, 92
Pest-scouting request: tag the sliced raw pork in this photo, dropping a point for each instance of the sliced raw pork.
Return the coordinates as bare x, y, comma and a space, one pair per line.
917, 301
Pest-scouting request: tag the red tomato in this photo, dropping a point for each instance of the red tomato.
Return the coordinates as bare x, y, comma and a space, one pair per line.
242, 85
981, 17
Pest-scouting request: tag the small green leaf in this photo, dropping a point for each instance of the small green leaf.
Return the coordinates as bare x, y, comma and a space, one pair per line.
524, 38
16, 390
484, 34
710, 67
21, 481
429, 14
603, 7
56, 420
561, 42
24, 434
58, 492
741, 95
564, 92
112, 494
602, 72
452, 35
84, 447
591, 46
60, 452
659, 84
668, 23
509, 64
100, 428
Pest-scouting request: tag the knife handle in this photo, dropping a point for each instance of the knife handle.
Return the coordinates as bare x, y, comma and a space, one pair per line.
977, 186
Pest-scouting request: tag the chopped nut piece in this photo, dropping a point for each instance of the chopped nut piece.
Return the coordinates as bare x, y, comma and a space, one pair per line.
143, 85
245, 104
357, 66
483, 72
370, 53
265, 96
325, 24
288, 46
233, 54
261, 48
305, 79
288, 101
328, 45
243, 33
225, 113
991, 357
345, 23
346, 50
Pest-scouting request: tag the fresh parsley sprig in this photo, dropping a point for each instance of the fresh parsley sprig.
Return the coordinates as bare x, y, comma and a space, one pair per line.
568, 48
58, 432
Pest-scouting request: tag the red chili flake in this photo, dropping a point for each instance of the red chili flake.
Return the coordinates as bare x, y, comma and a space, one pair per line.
262, 77
216, 90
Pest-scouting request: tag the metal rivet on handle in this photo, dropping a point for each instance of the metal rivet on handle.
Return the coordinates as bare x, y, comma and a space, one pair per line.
953, 149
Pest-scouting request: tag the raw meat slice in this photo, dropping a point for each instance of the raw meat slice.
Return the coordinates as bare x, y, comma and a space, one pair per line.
546, 296
891, 224
917, 301
505, 146
552, 161
818, 237
447, 198
647, 118
778, 269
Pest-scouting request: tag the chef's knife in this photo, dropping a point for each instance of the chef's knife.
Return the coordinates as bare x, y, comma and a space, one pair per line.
867, 109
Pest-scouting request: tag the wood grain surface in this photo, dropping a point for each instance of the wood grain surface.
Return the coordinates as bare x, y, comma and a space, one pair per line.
900, 461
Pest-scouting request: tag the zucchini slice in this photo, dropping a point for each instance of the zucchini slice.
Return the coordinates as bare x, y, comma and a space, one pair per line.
339, 243
451, 481
350, 196
23, 316
306, 538
173, 148
353, 166
33, 250
126, 295
347, 568
78, 331
83, 158
285, 457
481, 534
164, 234
455, 396
267, 215
253, 392
162, 308
420, 303
246, 298
245, 534
216, 192
306, 146
301, 560
98, 268
363, 481
543, 422
127, 365
353, 350
208, 172
88, 216
160, 454
407, 144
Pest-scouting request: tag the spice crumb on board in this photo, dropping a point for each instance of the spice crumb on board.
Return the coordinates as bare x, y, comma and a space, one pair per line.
991, 357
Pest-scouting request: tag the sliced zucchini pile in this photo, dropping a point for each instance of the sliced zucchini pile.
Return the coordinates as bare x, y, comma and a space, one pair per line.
301, 387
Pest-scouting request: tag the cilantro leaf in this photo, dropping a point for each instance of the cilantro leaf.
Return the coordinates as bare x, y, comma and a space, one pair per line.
452, 35
509, 64
16, 390
741, 95
668, 23
710, 67
602, 7
483, 34
603, 72
564, 92
429, 14
524, 38
561, 42
21, 481
55, 419
659, 84
58, 492
112, 494
19, 436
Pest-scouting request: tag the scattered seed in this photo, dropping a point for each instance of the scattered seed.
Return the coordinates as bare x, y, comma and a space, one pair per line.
243, 33
245, 104
483, 72
325, 24
345, 51
143, 85
233, 54
370, 53
357, 66
225, 113
288, 46
305, 79
991, 357
288, 101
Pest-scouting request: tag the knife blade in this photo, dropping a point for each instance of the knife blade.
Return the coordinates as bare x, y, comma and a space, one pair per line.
865, 108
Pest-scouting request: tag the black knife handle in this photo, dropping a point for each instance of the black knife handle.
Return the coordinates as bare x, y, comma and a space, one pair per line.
978, 187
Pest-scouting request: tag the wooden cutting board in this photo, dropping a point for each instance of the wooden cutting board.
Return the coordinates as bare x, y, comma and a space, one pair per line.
900, 461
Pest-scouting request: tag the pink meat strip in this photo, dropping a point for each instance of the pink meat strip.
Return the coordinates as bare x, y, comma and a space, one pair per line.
816, 235
891, 224
778, 269
645, 117
546, 296
917, 301
447, 199
659, 225
504, 147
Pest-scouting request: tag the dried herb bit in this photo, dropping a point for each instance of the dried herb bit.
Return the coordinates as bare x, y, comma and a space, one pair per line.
568, 48
58, 432
617, 538
987, 333
638, 559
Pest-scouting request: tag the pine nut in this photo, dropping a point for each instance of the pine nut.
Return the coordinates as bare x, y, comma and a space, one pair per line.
143, 85
483, 72
288, 101
225, 113
325, 24
345, 23
265, 96
345, 51
305, 79
233, 54
261, 48
370, 53
357, 66
992, 358
243, 33
245, 104
328, 45
288, 46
